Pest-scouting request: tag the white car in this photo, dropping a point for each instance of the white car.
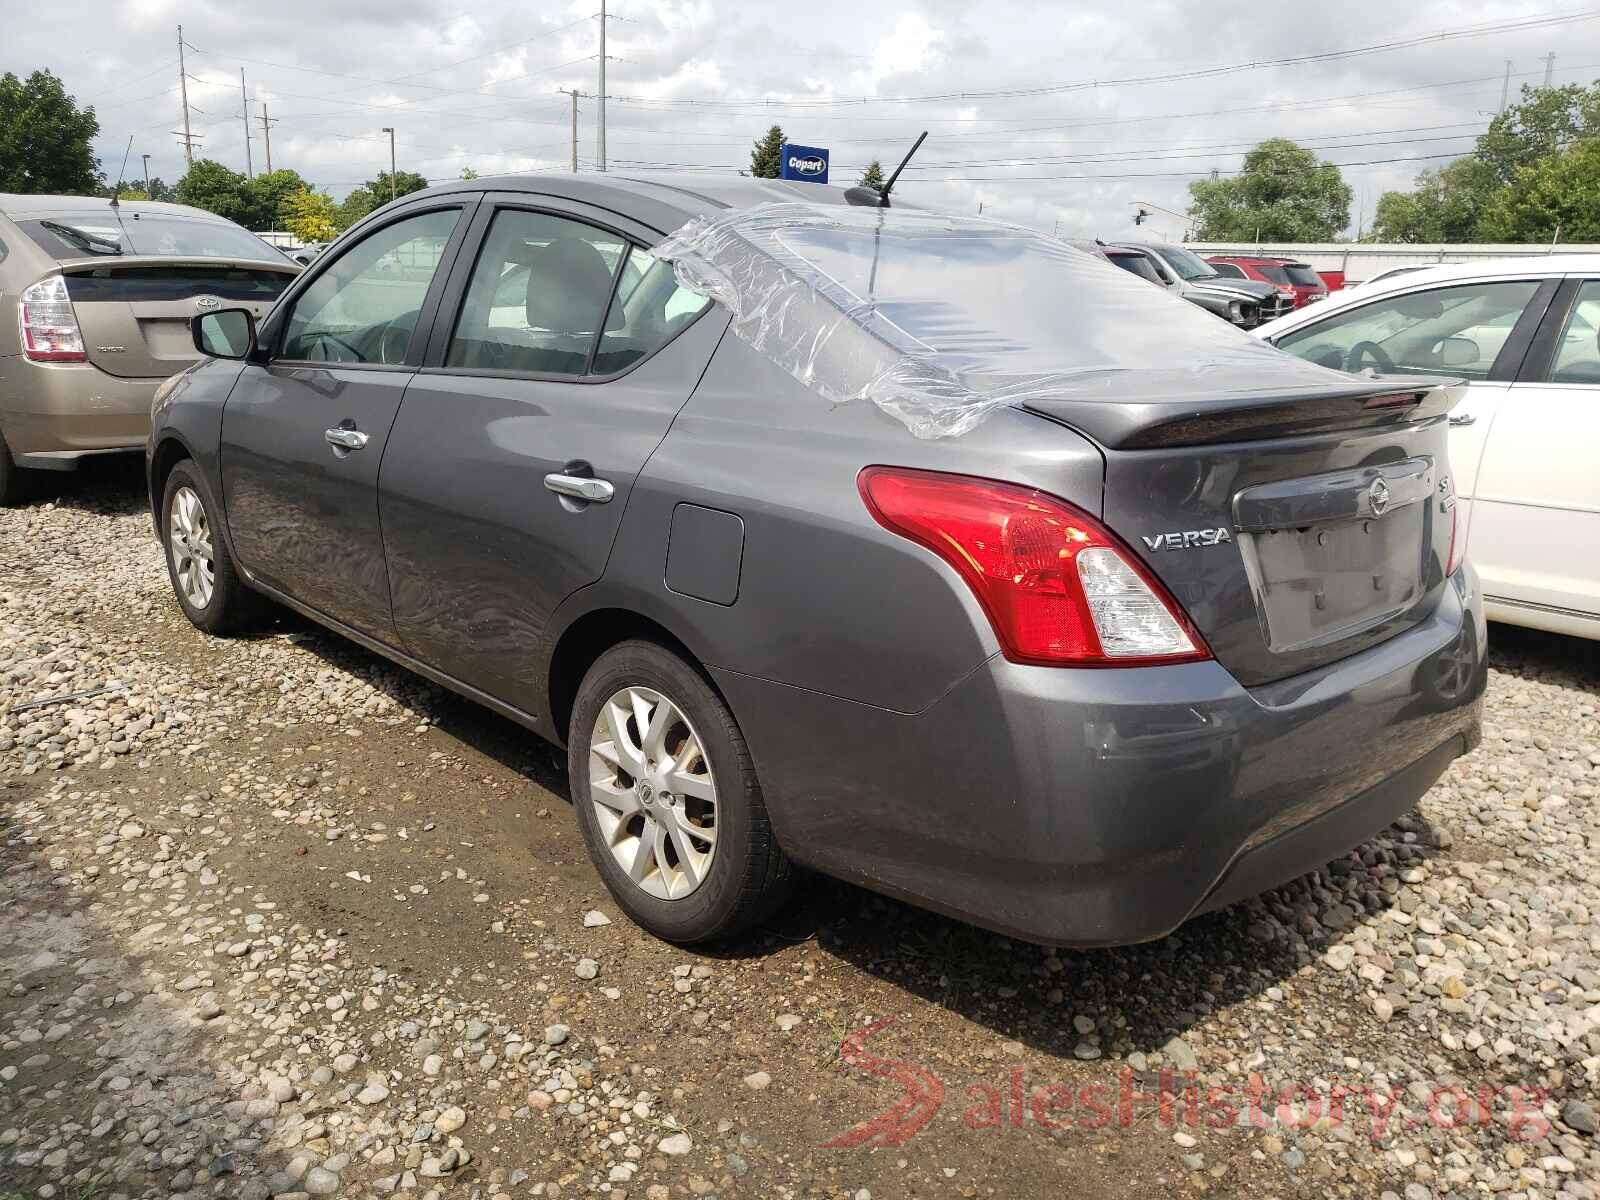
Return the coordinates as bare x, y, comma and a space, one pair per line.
1525, 440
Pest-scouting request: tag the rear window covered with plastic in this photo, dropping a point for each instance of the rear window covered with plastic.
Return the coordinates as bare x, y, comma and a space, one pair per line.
941, 320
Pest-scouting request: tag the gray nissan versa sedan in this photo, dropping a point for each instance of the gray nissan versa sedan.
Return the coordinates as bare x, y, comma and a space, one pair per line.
922, 551
95, 301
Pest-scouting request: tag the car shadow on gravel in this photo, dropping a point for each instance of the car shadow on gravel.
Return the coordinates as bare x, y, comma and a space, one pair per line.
108, 484
121, 1082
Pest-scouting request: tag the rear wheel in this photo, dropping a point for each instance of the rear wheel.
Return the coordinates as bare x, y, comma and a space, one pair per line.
204, 580
667, 798
13, 479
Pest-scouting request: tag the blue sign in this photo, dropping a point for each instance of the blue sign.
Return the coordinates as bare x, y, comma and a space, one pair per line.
809, 163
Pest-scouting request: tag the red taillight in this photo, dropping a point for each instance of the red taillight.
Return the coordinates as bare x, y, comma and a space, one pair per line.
1058, 587
47, 324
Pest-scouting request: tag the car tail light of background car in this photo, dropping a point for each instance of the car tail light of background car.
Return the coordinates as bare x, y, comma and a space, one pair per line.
1058, 587
47, 323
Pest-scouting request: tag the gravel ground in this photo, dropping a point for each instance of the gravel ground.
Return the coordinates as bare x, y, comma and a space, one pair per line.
283, 920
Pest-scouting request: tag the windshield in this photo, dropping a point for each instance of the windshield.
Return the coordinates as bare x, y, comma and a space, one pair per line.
1136, 264
940, 320
1186, 264
127, 231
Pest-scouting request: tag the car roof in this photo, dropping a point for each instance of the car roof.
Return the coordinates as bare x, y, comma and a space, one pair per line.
30, 208
1274, 259
664, 199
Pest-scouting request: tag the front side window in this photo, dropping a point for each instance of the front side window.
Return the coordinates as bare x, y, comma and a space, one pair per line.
554, 296
1577, 358
1137, 264
1452, 331
363, 308
1187, 264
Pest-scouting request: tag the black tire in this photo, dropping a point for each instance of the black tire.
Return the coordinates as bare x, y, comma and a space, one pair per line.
749, 875
13, 479
231, 606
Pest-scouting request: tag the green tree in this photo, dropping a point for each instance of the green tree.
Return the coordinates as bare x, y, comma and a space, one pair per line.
1446, 205
872, 177
405, 182
1281, 194
1543, 122
264, 197
766, 156
209, 185
352, 208
309, 215
1558, 194
468, 173
46, 140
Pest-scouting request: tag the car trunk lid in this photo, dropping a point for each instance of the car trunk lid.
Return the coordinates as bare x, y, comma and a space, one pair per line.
134, 312
1296, 524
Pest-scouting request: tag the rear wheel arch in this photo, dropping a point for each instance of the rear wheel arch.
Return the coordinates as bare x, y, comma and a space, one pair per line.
582, 642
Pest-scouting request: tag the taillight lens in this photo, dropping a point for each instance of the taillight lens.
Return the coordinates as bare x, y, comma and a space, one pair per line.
48, 325
1059, 588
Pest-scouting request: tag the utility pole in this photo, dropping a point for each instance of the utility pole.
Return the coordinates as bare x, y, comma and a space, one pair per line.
266, 134
600, 152
1505, 87
1549, 67
183, 86
389, 129
146, 158
573, 92
249, 167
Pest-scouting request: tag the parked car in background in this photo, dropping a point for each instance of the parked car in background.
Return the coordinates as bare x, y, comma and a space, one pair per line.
1236, 310
95, 301
933, 569
1523, 332
1296, 280
1193, 278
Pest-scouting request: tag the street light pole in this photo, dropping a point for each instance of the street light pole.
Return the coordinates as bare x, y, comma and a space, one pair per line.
600, 124
146, 158
389, 129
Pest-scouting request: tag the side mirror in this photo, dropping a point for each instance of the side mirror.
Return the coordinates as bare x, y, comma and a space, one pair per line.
1458, 352
226, 333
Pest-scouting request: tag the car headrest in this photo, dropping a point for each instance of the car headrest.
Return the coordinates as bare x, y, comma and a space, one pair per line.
569, 286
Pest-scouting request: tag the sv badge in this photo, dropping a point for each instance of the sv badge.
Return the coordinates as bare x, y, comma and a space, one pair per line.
1189, 539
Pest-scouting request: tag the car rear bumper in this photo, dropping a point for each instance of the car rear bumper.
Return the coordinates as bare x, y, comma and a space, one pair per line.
65, 409
1102, 807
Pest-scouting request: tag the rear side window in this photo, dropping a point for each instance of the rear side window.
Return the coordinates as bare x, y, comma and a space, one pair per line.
1443, 331
1230, 270
1577, 357
1301, 275
554, 296
1272, 273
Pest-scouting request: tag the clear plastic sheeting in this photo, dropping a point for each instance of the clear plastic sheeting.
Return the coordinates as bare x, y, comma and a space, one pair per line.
940, 320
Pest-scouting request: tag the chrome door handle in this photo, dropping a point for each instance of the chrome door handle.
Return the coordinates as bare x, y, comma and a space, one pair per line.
345, 439
580, 487
1463, 419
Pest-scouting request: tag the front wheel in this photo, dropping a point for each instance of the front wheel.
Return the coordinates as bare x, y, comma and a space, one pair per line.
667, 798
203, 576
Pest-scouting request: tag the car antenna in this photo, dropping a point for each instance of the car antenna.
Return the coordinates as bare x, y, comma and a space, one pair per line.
879, 197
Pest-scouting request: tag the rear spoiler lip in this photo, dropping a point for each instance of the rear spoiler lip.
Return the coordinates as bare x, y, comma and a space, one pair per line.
1165, 421
93, 262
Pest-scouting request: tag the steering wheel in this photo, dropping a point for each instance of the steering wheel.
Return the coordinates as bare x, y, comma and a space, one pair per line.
320, 337
1380, 360
393, 340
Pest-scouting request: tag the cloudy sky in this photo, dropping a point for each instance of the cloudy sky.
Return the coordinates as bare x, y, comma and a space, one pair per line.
1051, 115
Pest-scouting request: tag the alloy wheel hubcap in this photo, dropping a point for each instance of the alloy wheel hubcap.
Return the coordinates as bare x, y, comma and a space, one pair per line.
653, 792
189, 536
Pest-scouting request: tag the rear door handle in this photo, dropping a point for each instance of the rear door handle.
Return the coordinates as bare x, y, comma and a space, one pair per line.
345, 439
1463, 419
580, 487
